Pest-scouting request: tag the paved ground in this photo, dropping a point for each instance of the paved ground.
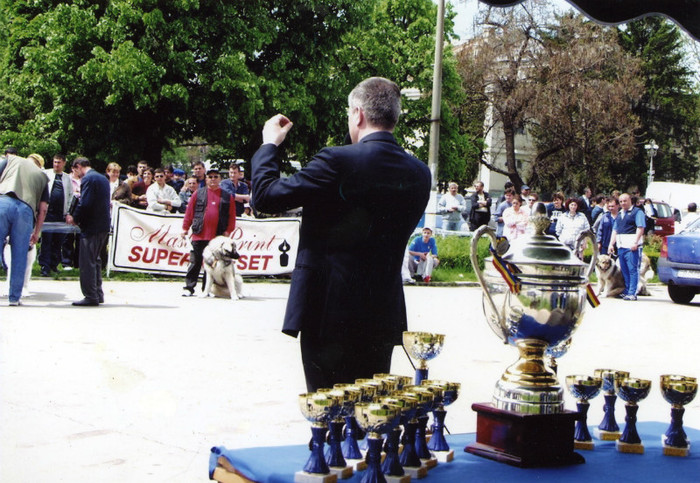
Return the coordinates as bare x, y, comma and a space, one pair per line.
139, 389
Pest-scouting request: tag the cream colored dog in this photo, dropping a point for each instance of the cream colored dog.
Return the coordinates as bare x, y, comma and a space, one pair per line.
610, 276
220, 257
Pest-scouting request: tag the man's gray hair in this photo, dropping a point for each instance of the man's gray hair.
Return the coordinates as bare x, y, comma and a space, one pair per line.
380, 99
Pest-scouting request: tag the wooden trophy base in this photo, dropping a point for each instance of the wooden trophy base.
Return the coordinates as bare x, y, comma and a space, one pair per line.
635, 448
586, 445
525, 440
675, 451
430, 463
606, 435
304, 477
343, 473
358, 465
416, 472
444, 456
398, 479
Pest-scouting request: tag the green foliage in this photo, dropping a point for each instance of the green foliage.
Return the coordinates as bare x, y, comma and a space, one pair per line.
669, 109
454, 252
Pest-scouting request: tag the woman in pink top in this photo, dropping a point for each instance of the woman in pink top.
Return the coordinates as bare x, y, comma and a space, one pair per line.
515, 219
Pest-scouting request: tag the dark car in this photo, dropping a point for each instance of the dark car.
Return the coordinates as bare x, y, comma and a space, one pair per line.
665, 221
679, 263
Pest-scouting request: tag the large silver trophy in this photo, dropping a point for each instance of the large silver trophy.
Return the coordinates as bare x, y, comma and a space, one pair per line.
534, 296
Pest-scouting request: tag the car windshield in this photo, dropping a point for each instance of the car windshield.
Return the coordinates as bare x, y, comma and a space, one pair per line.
693, 227
663, 210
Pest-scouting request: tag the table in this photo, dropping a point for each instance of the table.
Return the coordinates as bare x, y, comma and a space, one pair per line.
278, 464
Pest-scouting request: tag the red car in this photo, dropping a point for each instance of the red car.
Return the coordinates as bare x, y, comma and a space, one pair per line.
665, 222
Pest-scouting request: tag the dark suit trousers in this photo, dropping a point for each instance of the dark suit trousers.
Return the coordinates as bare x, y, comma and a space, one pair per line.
328, 362
91, 265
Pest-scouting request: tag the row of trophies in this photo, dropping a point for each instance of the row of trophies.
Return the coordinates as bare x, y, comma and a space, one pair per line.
369, 415
677, 390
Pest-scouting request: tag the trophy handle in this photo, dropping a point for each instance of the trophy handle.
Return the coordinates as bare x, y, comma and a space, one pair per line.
579, 241
473, 256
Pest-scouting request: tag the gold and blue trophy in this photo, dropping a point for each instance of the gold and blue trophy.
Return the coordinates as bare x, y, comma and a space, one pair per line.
376, 418
318, 408
608, 430
422, 346
391, 467
409, 458
583, 388
631, 390
445, 394
348, 395
679, 391
353, 433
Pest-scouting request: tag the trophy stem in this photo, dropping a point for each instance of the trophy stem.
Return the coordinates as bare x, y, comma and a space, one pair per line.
581, 433
530, 369
316, 463
437, 440
421, 446
335, 452
609, 423
391, 465
374, 474
421, 374
349, 446
408, 457
675, 435
630, 435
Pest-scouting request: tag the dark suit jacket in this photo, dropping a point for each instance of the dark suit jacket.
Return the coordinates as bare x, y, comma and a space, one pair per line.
361, 203
92, 213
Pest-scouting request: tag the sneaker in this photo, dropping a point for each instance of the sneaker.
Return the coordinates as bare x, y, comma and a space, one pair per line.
186, 292
15, 303
630, 297
426, 279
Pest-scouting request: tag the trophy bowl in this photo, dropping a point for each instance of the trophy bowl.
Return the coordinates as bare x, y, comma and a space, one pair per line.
632, 389
377, 417
534, 296
678, 390
422, 346
583, 388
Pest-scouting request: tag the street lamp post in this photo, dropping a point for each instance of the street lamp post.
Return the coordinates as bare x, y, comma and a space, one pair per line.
652, 147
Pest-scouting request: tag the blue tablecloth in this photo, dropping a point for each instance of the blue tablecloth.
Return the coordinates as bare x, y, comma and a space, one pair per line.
604, 463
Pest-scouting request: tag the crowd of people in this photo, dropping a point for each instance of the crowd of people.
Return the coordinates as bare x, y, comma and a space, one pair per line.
33, 194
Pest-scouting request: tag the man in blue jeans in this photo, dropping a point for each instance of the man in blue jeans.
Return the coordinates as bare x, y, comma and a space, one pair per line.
24, 199
628, 236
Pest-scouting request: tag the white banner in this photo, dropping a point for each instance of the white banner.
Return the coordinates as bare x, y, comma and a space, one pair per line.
143, 241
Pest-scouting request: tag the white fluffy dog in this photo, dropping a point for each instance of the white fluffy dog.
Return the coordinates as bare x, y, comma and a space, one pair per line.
31, 257
220, 266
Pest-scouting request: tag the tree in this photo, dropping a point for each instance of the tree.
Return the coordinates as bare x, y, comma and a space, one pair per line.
497, 69
581, 117
668, 109
123, 79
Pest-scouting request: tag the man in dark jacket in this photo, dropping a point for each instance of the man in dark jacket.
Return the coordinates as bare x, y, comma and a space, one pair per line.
480, 211
360, 204
92, 215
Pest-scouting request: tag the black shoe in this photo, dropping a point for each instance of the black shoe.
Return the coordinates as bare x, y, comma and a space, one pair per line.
45, 272
86, 303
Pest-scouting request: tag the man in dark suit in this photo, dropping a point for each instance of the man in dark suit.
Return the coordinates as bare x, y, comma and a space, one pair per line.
360, 204
92, 216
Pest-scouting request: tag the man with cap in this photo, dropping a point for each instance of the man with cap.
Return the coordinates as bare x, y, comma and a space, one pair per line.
178, 180
423, 251
24, 201
210, 212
